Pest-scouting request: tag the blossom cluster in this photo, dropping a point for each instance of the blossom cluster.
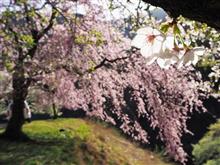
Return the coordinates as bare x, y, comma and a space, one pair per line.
129, 94
156, 46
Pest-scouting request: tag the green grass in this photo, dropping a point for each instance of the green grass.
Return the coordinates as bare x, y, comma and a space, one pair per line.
74, 142
207, 151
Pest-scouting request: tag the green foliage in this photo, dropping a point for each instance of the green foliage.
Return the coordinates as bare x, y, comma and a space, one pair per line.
176, 30
8, 13
210, 68
80, 39
9, 66
165, 27
207, 151
74, 142
94, 37
207, 62
27, 40
2, 107
21, 1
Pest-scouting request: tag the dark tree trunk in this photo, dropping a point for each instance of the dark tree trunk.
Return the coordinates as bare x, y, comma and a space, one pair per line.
198, 10
14, 128
20, 90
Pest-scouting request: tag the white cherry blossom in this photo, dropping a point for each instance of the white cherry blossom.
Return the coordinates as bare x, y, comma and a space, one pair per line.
146, 36
190, 56
155, 46
150, 42
169, 55
167, 58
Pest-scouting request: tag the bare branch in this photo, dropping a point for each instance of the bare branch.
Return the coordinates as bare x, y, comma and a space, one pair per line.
16, 39
38, 35
49, 26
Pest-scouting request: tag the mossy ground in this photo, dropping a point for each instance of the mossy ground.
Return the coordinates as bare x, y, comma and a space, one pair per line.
74, 142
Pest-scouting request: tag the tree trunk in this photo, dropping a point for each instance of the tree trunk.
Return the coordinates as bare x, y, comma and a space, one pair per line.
198, 10
14, 128
20, 90
55, 113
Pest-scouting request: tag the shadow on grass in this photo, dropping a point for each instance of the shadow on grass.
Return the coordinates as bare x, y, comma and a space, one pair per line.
39, 152
50, 152
53, 142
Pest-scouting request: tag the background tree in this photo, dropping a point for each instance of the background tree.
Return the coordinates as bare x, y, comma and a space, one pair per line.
24, 26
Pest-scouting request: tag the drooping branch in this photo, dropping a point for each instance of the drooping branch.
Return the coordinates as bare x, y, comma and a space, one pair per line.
199, 10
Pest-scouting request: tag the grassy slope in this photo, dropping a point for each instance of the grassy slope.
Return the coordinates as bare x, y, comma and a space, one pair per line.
74, 142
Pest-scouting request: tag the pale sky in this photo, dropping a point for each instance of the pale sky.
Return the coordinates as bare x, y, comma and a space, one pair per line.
117, 13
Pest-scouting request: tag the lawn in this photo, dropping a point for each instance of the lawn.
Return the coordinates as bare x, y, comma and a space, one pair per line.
75, 142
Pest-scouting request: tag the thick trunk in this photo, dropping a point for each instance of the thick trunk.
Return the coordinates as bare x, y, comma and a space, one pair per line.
14, 128
20, 90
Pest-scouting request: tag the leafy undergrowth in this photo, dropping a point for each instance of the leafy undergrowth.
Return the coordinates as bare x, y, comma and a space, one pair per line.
74, 142
207, 151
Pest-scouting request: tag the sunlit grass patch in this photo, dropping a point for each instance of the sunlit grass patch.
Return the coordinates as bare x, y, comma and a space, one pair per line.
74, 142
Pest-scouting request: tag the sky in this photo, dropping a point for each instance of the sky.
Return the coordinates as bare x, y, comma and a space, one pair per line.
158, 13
